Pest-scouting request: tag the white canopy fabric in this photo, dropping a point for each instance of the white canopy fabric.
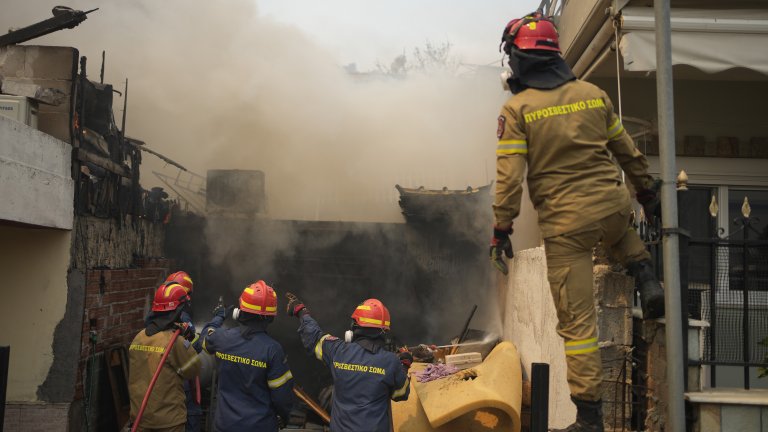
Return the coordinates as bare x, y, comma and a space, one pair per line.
709, 40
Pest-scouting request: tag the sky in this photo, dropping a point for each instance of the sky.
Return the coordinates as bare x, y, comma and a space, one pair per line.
244, 84
366, 31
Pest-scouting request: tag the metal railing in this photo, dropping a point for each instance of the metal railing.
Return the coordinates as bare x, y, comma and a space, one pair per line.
551, 7
724, 282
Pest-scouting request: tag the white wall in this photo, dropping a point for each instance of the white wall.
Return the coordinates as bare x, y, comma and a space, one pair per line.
33, 266
35, 179
530, 323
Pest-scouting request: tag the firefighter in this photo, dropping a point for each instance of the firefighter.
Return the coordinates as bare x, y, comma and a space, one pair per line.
165, 410
194, 410
365, 375
255, 383
565, 132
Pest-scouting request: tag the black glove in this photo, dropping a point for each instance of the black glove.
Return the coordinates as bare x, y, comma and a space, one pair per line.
501, 243
648, 198
223, 311
220, 311
187, 330
406, 358
294, 306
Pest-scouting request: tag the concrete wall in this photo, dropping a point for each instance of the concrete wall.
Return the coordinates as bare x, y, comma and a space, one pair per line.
719, 417
49, 67
530, 322
35, 178
36, 417
33, 263
575, 27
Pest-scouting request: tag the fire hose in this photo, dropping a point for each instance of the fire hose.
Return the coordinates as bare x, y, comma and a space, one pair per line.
154, 380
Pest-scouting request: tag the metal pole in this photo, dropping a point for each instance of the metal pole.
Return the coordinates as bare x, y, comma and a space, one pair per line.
745, 304
5, 356
713, 328
539, 397
674, 320
125, 108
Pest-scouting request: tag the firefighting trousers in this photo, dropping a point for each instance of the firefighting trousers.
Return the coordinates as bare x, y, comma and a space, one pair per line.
179, 428
569, 270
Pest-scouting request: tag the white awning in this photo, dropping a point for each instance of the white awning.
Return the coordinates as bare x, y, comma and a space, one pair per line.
709, 40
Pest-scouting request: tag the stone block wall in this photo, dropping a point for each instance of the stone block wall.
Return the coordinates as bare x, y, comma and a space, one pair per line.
613, 300
50, 67
718, 417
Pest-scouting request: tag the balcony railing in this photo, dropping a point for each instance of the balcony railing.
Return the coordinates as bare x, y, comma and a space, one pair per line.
724, 282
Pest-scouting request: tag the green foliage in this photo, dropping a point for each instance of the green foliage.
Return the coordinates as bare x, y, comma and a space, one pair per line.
763, 372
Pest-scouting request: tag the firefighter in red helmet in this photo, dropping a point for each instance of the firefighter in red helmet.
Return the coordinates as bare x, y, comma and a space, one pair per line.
564, 132
166, 410
181, 278
255, 383
194, 410
365, 375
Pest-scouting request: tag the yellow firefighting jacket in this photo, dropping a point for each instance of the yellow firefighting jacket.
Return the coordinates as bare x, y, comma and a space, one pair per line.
167, 404
566, 137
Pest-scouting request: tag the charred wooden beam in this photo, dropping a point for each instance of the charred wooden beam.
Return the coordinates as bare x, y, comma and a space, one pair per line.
100, 161
140, 145
63, 17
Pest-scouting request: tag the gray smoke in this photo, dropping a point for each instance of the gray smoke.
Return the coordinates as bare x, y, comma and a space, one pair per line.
214, 85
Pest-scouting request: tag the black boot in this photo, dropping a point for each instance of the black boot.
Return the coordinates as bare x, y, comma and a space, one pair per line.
651, 293
589, 417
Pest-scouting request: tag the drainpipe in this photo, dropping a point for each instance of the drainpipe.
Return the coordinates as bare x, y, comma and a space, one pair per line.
676, 360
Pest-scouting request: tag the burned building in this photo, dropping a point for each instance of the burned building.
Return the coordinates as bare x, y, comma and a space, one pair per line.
427, 272
77, 240
84, 245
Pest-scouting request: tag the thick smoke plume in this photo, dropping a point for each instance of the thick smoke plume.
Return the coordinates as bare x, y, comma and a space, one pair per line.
214, 85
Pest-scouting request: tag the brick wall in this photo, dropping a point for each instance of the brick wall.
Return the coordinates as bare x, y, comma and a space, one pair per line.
116, 302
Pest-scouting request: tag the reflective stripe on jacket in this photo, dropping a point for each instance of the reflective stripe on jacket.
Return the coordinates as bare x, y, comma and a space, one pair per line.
255, 382
167, 403
567, 137
363, 382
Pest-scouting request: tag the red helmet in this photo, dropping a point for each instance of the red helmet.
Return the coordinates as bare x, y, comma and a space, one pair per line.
532, 32
259, 298
372, 313
181, 278
169, 297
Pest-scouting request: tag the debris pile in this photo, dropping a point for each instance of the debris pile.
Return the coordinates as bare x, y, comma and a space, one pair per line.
435, 371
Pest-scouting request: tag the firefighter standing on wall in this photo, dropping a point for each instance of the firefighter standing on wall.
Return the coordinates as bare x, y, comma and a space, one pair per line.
166, 410
565, 131
365, 375
255, 383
